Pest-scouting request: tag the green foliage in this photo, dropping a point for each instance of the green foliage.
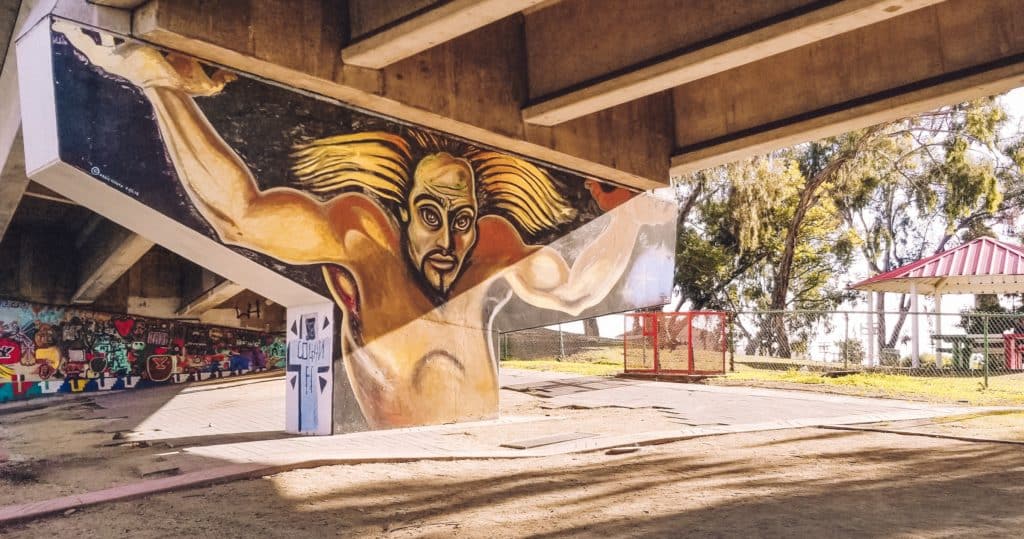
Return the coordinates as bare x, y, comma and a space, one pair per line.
780, 231
851, 351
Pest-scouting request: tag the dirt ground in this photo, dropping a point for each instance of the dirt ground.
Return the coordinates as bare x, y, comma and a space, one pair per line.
83, 445
796, 483
802, 483
63, 450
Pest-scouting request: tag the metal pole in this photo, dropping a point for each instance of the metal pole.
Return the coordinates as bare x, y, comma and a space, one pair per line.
915, 328
561, 344
985, 322
938, 327
846, 343
732, 342
873, 348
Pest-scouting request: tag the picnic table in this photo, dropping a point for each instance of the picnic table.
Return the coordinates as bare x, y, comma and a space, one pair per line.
963, 346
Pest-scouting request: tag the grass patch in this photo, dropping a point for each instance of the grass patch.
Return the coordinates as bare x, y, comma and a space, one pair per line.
1002, 390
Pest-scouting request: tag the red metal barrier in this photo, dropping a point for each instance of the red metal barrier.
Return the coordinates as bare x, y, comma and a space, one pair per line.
690, 343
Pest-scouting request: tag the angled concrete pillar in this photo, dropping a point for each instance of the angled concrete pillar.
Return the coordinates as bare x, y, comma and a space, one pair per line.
13, 183
13, 180
213, 297
509, 244
97, 187
107, 252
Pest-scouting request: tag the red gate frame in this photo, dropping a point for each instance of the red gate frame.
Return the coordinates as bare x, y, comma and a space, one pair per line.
649, 327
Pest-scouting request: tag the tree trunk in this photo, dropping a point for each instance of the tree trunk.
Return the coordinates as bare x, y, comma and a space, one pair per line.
784, 269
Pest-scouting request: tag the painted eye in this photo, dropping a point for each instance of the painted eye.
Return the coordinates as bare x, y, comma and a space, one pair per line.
463, 222
430, 217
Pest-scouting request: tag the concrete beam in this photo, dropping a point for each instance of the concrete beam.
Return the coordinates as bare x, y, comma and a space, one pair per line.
792, 30
211, 299
43, 164
105, 255
427, 29
10, 107
13, 183
35, 190
471, 86
13, 180
929, 58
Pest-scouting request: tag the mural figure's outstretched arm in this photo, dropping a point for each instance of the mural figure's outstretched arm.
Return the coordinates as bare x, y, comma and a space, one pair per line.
284, 223
545, 280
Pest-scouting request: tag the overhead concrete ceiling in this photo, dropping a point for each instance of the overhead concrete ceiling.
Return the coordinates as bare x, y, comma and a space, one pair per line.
630, 92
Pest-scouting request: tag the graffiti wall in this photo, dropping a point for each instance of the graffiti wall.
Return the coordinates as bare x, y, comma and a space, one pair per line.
46, 349
427, 243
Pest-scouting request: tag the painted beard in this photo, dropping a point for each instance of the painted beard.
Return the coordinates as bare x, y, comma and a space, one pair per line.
440, 269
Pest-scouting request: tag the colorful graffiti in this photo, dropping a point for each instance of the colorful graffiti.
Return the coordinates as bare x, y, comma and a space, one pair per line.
47, 349
422, 239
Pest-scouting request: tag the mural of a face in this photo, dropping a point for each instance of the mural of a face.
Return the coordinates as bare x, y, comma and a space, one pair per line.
45, 336
440, 218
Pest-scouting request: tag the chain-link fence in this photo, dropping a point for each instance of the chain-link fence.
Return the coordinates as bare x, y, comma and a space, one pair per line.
929, 344
968, 344
593, 340
643, 342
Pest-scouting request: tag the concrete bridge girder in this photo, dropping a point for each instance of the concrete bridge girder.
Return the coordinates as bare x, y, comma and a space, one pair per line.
693, 83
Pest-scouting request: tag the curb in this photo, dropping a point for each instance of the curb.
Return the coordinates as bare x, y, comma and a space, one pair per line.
923, 434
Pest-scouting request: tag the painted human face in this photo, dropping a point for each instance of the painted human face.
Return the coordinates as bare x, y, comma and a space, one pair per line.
440, 218
45, 336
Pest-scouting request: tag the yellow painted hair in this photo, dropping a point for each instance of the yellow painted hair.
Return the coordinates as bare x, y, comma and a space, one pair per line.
520, 191
374, 161
381, 163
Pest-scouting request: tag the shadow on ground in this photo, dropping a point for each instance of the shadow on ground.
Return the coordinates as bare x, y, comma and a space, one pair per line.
797, 483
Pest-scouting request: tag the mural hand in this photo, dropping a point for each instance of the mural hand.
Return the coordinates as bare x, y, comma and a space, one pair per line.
608, 197
647, 209
193, 80
639, 208
143, 66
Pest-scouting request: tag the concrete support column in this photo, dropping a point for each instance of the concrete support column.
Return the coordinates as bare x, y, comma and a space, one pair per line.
310, 380
915, 328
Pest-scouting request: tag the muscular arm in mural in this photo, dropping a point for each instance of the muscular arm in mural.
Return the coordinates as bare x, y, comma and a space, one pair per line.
544, 279
285, 223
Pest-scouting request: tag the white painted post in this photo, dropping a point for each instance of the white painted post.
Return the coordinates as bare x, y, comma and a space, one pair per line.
915, 328
872, 329
309, 380
938, 327
879, 319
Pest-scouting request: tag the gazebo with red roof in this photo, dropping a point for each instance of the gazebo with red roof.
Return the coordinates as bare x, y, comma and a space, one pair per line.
981, 266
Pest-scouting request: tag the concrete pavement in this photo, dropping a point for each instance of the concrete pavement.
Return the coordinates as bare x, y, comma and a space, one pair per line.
233, 430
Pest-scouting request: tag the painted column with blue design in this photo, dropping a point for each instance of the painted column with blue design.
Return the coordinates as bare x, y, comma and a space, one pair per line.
309, 377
